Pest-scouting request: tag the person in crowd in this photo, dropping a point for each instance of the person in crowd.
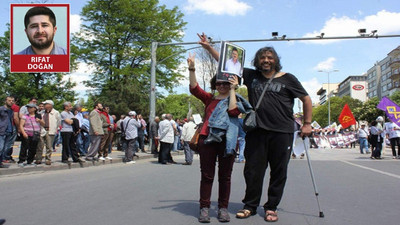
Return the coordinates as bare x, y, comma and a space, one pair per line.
52, 120
105, 140
7, 155
77, 111
141, 133
153, 134
381, 126
6, 127
40, 108
271, 142
118, 141
113, 121
96, 131
24, 109
130, 127
226, 102
166, 136
68, 135
188, 131
85, 133
30, 129
393, 134
377, 136
363, 134
176, 134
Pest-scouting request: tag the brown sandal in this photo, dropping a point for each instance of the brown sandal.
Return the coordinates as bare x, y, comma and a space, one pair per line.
243, 214
271, 216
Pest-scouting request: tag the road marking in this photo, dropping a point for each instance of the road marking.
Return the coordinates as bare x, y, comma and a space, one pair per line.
374, 170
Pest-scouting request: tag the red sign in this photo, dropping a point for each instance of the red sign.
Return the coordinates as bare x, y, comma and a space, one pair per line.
358, 87
28, 44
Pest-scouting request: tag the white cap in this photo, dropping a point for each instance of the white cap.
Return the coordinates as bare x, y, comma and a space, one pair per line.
379, 119
48, 102
132, 113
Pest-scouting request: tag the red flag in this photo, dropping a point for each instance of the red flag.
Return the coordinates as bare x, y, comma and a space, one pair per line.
346, 117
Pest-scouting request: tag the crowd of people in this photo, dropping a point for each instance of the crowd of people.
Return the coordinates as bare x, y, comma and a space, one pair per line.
87, 135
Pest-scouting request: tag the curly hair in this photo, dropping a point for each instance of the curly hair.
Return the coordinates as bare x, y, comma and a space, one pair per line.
260, 52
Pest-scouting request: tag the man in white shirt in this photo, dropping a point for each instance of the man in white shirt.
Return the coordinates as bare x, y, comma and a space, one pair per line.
363, 138
130, 126
166, 136
233, 64
393, 133
187, 133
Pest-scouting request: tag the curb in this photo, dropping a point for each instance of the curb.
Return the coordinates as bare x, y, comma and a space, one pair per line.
62, 166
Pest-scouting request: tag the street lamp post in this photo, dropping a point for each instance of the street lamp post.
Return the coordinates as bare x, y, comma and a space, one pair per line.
329, 93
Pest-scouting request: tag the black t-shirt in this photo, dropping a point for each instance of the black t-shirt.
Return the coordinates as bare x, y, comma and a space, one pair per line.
276, 109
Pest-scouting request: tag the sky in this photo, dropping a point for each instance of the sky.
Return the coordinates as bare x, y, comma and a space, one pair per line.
257, 19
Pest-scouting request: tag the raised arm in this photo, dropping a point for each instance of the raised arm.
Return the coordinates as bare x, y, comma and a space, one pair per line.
192, 69
206, 45
233, 80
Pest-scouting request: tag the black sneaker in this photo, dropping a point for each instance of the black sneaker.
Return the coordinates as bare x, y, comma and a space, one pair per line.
204, 217
223, 215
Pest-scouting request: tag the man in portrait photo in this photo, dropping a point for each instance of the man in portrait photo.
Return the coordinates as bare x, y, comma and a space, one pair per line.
233, 65
40, 28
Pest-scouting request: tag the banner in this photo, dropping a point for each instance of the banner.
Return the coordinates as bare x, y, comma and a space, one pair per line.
346, 117
391, 109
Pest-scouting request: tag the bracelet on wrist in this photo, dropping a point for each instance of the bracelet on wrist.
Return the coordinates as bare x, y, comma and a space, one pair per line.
306, 122
192, 69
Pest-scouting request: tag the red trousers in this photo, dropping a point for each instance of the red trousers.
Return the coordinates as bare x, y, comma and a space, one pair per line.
208, 157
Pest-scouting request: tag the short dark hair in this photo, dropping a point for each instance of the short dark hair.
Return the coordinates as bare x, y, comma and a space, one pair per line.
30, 99
96, 104
260, 52
39, 10
234, 49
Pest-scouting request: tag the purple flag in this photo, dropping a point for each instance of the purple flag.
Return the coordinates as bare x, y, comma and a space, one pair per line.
392, 109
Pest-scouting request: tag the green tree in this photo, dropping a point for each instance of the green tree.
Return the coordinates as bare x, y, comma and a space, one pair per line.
368, 111
25, 85
320, 113
116, 39
178, 105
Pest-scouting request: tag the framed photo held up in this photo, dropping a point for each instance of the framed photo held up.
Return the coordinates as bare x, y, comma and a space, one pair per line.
231, 61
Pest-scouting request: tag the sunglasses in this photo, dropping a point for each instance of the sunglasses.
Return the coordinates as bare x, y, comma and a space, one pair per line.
223, 84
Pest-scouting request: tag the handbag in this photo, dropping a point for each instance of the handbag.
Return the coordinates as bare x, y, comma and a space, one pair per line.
193, 143
36, 134
250, 121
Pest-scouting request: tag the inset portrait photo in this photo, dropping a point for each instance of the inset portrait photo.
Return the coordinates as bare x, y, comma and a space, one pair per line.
232, 61
39, 37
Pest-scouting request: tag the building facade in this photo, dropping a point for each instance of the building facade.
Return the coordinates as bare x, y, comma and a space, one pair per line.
355, 87
333, 88
384, 77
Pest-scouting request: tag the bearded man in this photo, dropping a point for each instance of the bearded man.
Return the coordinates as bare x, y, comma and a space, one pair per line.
40, 28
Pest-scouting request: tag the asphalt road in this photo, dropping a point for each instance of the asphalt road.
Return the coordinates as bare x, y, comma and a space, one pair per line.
353, 190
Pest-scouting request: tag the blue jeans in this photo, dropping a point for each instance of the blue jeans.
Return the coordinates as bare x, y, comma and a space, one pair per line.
86, 143
242, 144
7, 155
79, 144
363, 144
2, 144
176, 141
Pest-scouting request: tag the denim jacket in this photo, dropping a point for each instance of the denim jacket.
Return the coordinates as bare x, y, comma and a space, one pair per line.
220, 123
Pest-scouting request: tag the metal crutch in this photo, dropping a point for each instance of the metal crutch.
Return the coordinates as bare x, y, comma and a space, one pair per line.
321, 214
